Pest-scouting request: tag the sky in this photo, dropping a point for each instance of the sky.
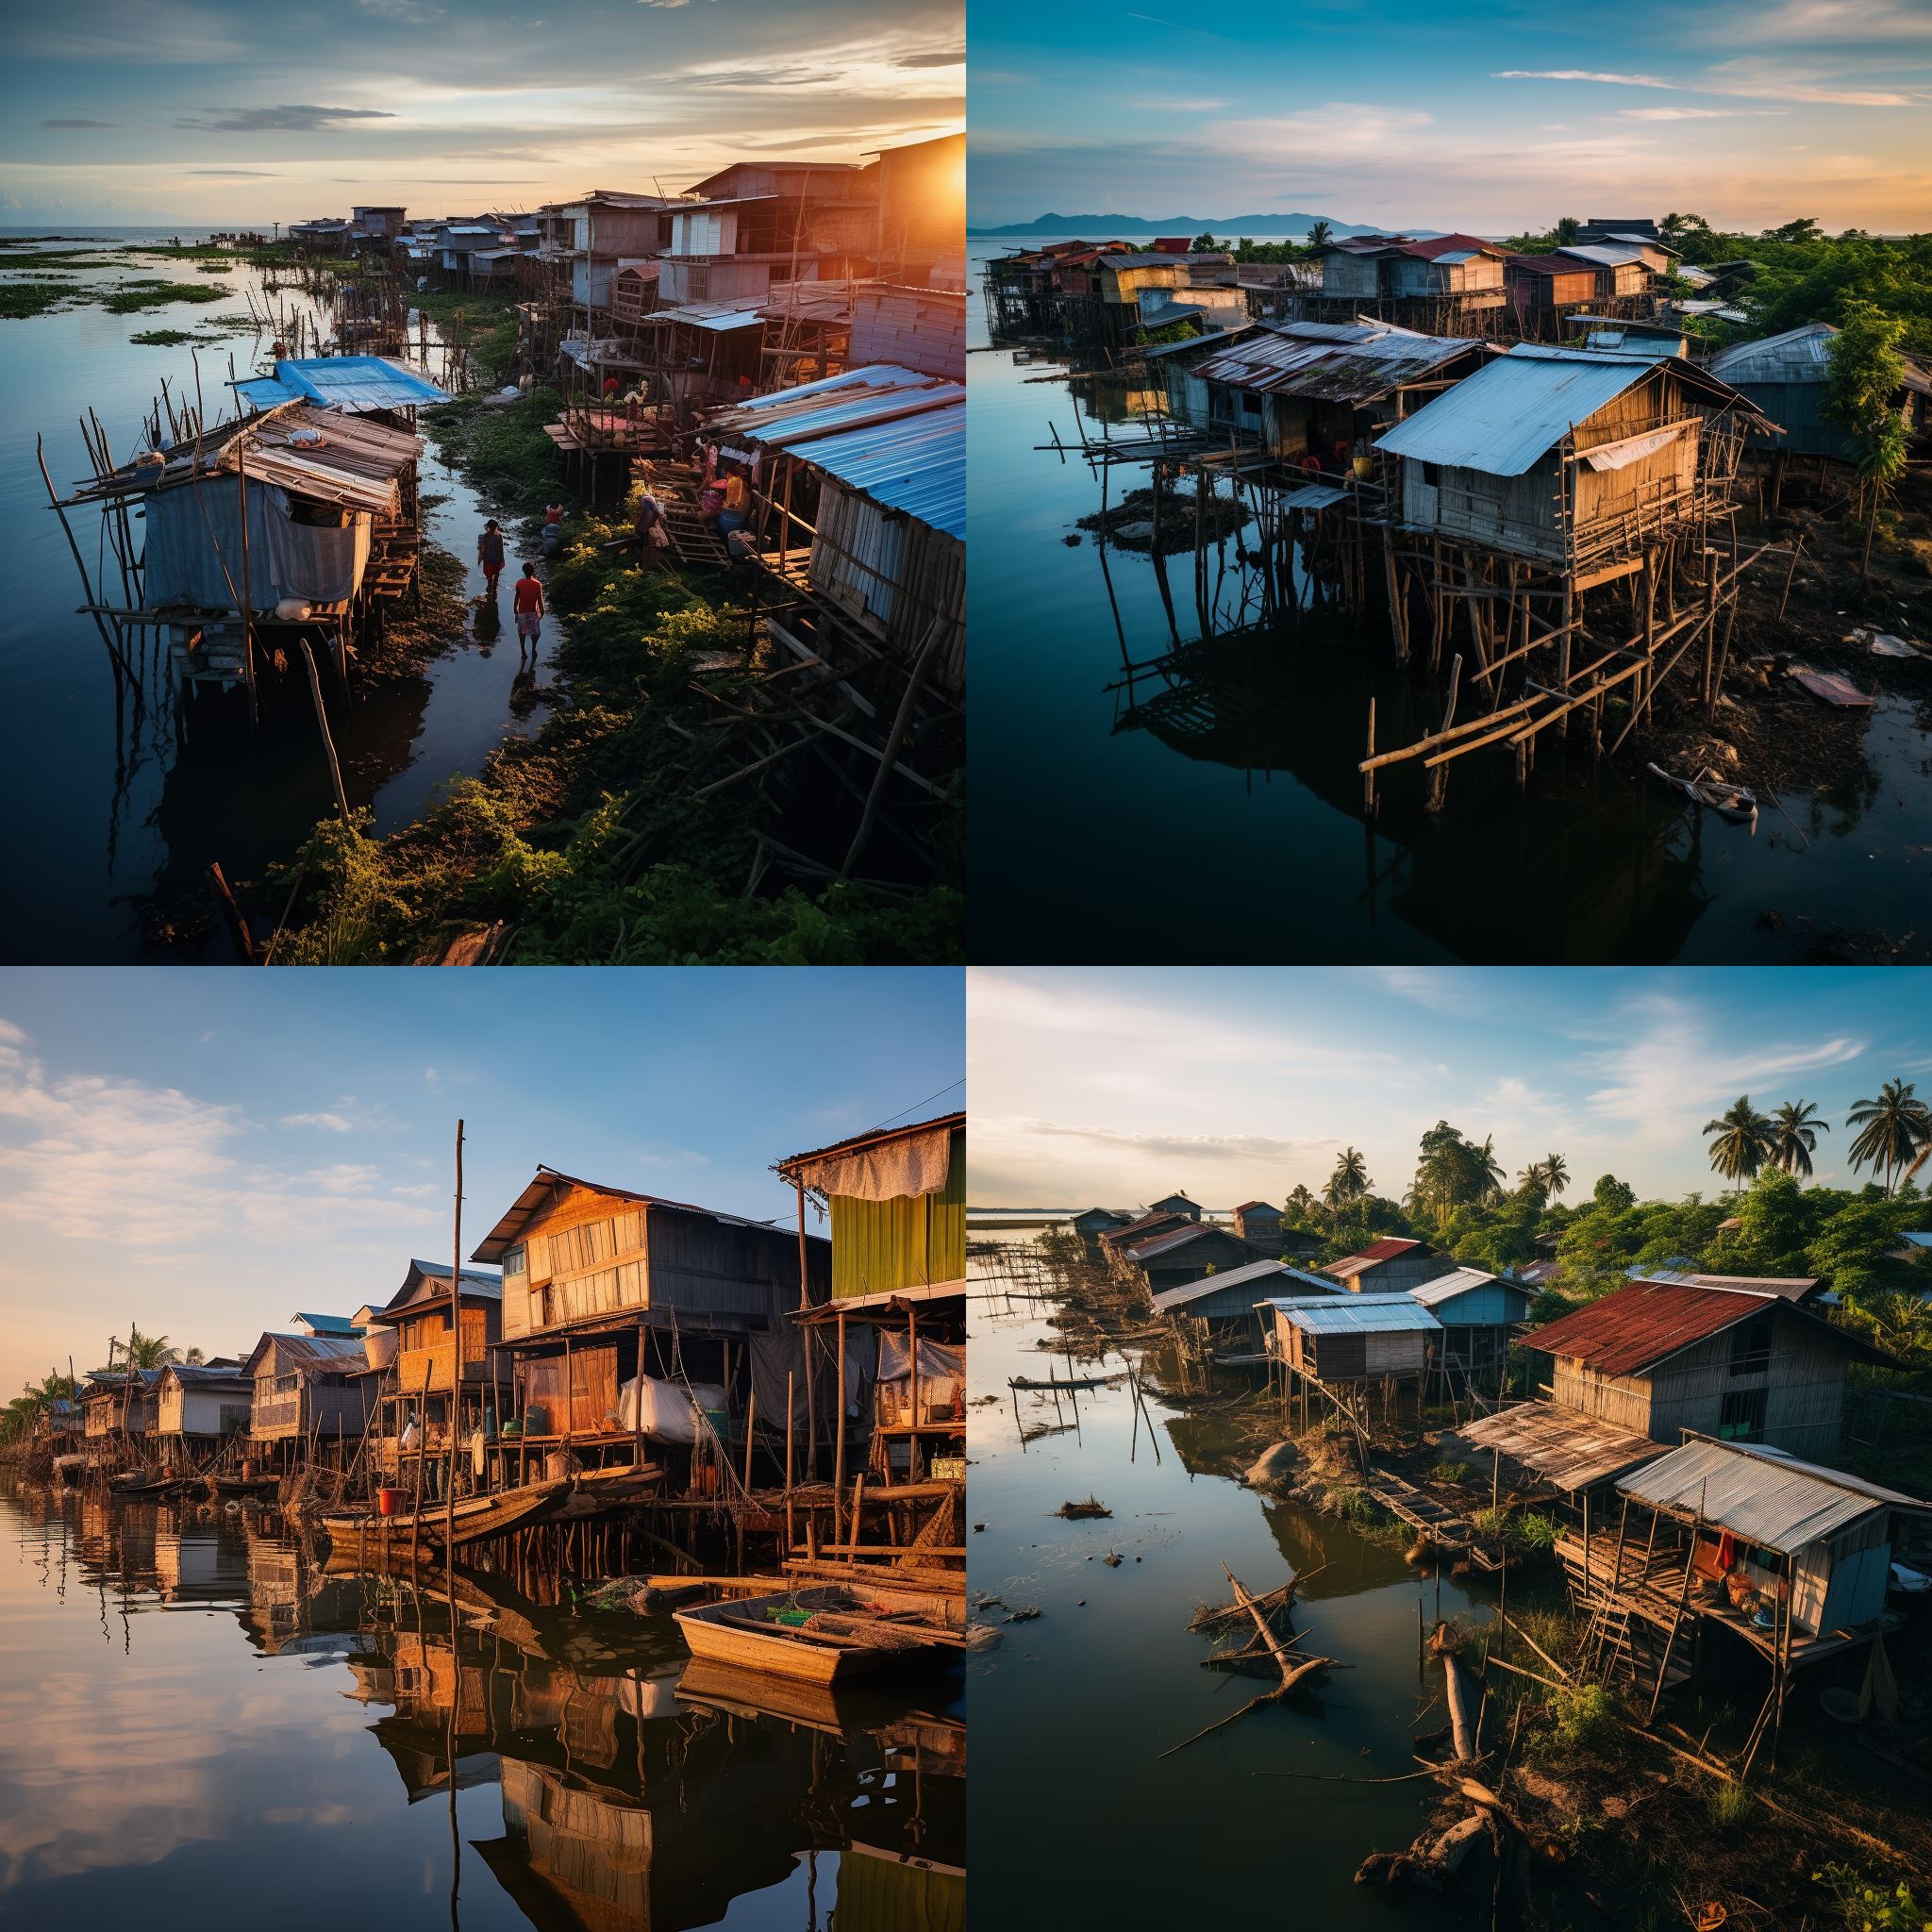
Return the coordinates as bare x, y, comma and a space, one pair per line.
228, 111
1489, 116
1112, 1089
206, 1163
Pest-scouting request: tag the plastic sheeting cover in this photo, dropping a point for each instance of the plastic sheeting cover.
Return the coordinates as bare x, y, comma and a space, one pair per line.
666, 1410
913, 1164
186, 553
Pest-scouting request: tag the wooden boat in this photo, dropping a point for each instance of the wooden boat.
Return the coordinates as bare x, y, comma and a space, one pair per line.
246, 1485
1734, 802
136, 1482
826, 1632
477, 1518
1066, 1382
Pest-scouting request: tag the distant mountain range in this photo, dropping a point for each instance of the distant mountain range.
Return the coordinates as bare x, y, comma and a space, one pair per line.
1110, 225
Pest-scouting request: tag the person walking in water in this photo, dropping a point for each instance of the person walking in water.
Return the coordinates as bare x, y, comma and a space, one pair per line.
489, 555
528, 600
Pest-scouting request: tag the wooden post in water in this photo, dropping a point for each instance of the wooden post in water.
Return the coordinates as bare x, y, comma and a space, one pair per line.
839, 1449
247, 604
806, 1334
456, 1341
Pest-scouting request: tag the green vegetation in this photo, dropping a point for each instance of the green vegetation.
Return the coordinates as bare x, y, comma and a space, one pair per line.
1866, 1905
501, 446
133, 298
484, 326
21, 299
1731, 1805
589, 836
1450, 1471
1583, 1719
1534, 1532
163, 337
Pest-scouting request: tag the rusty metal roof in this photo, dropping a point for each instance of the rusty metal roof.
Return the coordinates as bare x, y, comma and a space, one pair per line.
1384, 1249
1344, 362
1167, 1240
1631, 1331
1562, 1445
1250, 1274
1759, 1493
317, 1354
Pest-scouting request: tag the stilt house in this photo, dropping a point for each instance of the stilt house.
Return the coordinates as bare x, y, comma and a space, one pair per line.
1182, 1254
1788, 378
1394, 1263
1662, 1358
308, 1388
1234, 1305
199, 1408
1477, 1312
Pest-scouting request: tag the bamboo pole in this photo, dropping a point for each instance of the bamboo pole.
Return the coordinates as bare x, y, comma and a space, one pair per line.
455, 1338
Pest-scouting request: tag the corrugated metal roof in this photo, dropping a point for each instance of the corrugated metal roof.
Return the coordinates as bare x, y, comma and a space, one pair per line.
1799, 355
1166, 1241
1458, 1281
1793, 1288
1562, 1445
265, 393
1759, 1493
1380, 1314
318, 1354
1358, 364
1605, 253
326, 1324
1384, 1249
893, 434
1503, 417
712, 315
1249, 1275
357, 383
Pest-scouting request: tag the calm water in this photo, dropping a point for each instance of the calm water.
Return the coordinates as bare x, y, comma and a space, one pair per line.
1239, 779
1082, 1702
120, 818
201, 1726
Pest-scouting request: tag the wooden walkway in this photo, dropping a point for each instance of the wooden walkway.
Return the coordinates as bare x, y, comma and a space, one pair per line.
1435, 1520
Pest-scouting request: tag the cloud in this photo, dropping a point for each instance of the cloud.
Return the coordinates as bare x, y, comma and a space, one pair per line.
1199, 1147
405, 12
77, 123
330, 1123
1581, 73
1672, 1060
151, 1169
1846, 22
1173, 107
236, 174
11, 1035
289, 118
1696, 113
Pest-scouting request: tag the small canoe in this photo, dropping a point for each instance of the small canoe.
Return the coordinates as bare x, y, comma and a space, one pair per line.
826, 1633
1734, 802
136, 1484
1066, 1382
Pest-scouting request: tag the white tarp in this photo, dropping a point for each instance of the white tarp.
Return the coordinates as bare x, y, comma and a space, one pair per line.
917, 1164
185, 554
1619, 455
667, 1412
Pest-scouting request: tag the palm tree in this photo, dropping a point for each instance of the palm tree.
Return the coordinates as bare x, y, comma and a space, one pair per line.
1484, 1171
1895, 1131
1555, 1175
1744, 1140
146, 1351
1536, 1175
1350, 1180
1795, 1129
1320, 234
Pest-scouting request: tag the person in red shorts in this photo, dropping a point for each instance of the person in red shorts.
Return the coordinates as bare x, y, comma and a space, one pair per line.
489, 555
529, 601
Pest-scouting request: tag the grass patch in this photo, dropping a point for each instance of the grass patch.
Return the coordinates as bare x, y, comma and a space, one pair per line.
1731, 1805
216, 268
163, 337
587, 836
486, 326
1864, 1905
21, 299
501, 446
1452, 1472
133, 298
1534, 1532
1585, 1717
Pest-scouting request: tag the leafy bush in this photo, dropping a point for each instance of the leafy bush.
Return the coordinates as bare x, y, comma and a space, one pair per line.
1865, 1906
1583, 1717
1534, 1531
1451, 1471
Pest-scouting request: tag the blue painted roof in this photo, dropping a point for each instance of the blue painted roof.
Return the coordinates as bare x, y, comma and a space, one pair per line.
265, 393
349, 382
895, 435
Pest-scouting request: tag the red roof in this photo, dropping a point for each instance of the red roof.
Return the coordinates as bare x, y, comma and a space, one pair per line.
1249, 1207
1449, 245
1148, 1223
1149, 1246
1639, 1326
1172, 244
1384, 1250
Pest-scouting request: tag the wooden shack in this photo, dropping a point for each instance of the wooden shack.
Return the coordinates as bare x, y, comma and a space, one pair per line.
1542, 1442
1259, 1223
1661, 1359
1353, 1338
912, 329
1175, 1203
310, 1390
1390, 1263
1113, 1240
119, 1403
1391, 274
859, 496
1477, 1312
603, 1285
1542, 288
1571, 458
1091, 1222
410, 1362
1788, 376
1232, 1308
198, 1408
1621, 273
1182, 1254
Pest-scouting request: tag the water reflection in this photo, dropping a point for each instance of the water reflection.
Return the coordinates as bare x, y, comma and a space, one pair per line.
149, 1762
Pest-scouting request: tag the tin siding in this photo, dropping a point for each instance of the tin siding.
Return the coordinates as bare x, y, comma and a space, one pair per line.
904, 1242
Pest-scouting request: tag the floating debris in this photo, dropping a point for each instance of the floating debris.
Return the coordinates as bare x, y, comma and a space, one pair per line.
1076, 1512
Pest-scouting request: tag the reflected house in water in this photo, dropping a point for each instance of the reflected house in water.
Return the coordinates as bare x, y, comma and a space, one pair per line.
609, 1294
1741, 1364
409, 1379
200, 1409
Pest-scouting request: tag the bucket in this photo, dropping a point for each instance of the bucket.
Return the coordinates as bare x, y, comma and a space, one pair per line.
387, 1502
